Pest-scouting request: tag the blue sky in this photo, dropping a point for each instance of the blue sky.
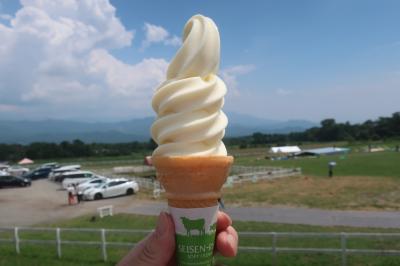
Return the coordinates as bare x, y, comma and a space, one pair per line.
280, 59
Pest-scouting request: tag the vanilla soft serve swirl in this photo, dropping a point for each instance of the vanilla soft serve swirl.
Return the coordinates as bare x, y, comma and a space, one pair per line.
188, 104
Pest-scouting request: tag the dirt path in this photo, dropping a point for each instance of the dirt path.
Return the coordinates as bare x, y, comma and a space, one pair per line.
45, 202
289, 215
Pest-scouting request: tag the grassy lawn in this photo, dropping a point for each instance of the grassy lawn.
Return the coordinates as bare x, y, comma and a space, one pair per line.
97, 162
84, 255
361, 181
352, 193
354, 164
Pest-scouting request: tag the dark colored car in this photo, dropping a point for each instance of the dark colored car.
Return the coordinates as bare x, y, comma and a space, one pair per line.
38, 173
13, 181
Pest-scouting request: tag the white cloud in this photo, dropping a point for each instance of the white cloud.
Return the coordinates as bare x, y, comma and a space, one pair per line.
55, 62
157, 34
173, 41
124, 79
5, 16
154, 33
230, 76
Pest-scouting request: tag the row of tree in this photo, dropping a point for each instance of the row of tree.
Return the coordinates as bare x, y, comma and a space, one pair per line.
380, 129
74, 149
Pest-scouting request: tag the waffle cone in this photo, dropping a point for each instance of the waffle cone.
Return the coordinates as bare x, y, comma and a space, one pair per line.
192, 181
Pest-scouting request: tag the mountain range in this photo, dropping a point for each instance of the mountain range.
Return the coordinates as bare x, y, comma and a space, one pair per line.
51, 130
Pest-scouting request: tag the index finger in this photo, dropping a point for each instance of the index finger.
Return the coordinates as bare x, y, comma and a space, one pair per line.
223, 221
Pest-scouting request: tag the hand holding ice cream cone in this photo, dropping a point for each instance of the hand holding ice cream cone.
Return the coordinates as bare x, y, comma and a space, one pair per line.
159, 247
191, 159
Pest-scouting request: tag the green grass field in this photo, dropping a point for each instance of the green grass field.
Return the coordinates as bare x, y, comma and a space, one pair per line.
354, 164
343, 193
83, 255
362, 181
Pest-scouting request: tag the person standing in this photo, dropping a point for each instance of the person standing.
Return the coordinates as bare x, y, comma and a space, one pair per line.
70, 195
76, 193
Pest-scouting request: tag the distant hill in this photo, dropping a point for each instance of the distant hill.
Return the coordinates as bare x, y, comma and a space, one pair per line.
241, 125
25, 132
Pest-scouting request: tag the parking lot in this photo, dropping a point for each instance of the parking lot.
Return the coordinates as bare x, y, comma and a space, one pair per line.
45, 202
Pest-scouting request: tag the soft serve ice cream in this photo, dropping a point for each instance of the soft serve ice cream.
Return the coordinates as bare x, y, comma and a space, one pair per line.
191, 160
188, 104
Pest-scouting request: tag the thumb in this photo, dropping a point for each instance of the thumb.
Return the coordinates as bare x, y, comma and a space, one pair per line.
157, 249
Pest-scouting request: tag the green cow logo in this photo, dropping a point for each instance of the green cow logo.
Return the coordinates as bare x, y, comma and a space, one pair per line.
213, 227
190, 225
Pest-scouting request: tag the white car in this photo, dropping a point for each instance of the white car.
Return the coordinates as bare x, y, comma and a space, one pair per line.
61, 170
113, 188
91, 183
76, 177
53, 165
17, 170
4, 167
3, 173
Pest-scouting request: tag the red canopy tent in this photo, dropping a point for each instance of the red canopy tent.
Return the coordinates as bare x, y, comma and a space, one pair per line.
25, 161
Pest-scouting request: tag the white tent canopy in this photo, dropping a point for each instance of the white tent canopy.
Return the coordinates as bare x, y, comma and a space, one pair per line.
285, 149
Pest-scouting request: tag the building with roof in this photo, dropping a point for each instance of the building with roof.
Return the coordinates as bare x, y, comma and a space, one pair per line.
285, 149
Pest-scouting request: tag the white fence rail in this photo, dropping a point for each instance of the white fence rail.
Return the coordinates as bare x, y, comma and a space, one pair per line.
241, 169
147, 183
243, 174
135, 169
274, 249
262, 175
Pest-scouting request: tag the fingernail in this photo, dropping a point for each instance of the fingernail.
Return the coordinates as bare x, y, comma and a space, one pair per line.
162, 225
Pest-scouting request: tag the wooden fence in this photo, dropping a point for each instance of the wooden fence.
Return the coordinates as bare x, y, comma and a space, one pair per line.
273, 249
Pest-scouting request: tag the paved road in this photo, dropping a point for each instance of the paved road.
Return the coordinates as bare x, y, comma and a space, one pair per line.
45, 203
381, 219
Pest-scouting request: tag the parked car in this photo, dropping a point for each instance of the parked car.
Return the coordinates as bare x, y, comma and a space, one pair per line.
2, 172
38, 173
58, 172
17, 170
91, 183
113, 188
51, 165
14, 181
75, 178
4, 167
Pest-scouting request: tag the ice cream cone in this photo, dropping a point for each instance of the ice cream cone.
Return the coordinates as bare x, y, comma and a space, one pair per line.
193, 185
192, 181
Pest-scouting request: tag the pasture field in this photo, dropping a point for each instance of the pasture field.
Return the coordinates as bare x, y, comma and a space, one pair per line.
356, 163
362, 181
343, 193
82, 255
97, 163
376, 164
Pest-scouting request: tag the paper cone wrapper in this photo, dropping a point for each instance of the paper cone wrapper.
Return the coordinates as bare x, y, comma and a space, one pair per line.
193, 186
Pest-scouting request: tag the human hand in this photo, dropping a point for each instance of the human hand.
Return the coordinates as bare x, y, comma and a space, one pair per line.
158, 248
